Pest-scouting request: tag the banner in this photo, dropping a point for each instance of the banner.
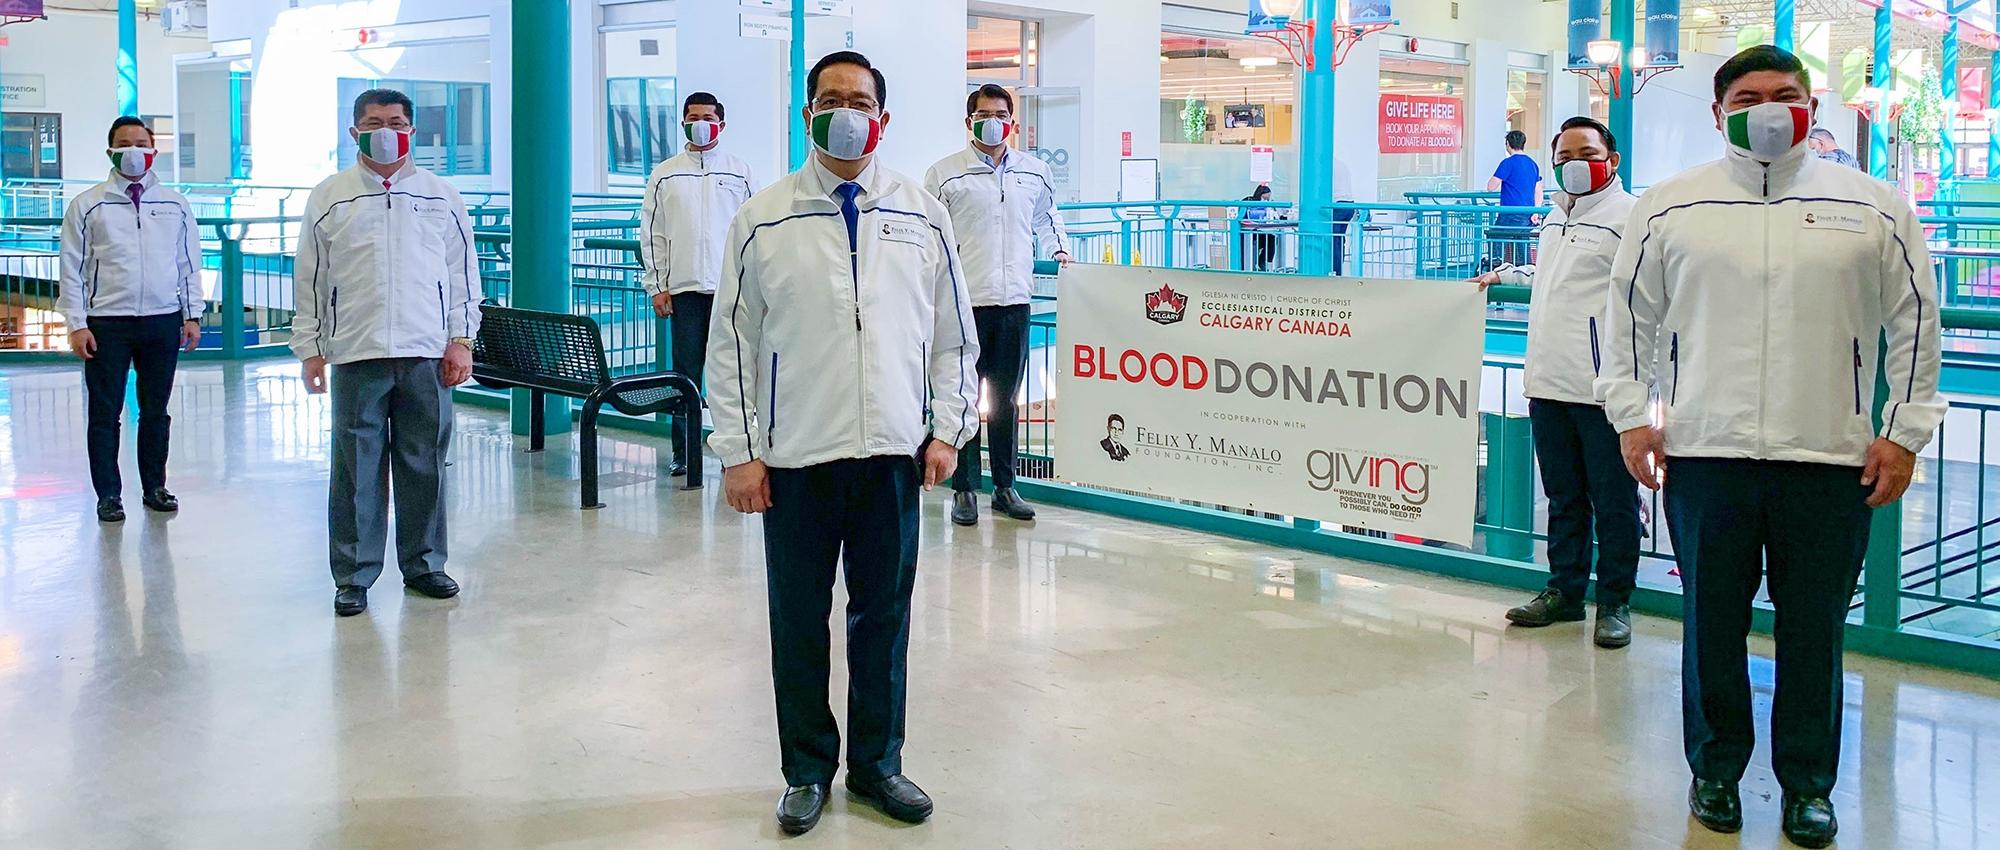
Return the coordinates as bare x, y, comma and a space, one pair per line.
1370, 12
1262, 21
21, 9
1663, 33
1348, 400
1421, 123
1586, 24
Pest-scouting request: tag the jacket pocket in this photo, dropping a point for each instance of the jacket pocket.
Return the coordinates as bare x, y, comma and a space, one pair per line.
90, 300
442, 323
1674, 358
333, 313
1596, 359
1857, 376
771, 414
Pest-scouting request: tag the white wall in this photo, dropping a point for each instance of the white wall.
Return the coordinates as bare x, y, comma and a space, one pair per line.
1673, 123
920, 48
76, 54
747, 74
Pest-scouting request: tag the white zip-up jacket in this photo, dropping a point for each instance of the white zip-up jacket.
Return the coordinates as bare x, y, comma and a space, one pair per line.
823, 349
1570, 278
998, 214
1769, 287
121, 260
690, 201
384, 270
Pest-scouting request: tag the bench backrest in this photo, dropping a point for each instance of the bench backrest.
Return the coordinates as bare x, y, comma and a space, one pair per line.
555, 351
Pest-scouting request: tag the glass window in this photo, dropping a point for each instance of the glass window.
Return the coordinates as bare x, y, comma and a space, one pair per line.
1002, 50
1218, 97
1527, 108
33, 146
641, 122
450, 118
1440, 165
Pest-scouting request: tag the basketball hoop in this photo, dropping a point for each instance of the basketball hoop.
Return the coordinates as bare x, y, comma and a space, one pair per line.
1297, 39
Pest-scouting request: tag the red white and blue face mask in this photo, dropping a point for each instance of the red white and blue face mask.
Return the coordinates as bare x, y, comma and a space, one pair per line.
133, 163
386, 146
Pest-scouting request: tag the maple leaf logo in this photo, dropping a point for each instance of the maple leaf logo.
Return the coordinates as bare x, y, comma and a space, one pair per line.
1166, 306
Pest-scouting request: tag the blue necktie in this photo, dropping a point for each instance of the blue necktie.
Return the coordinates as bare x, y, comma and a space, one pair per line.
852, 213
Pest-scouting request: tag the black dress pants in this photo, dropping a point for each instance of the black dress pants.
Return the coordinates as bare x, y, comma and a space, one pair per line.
151, 346
1003, 359
1591, 497
689, 325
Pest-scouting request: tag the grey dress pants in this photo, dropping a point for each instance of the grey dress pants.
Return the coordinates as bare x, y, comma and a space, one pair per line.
391, 422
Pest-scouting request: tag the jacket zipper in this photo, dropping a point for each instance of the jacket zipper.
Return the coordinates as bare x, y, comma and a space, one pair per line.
1596, 360
95, 267
442, 322
389, 297
1764, 328
860, 338
771, 418
1857, 376
333, 313
1674, 357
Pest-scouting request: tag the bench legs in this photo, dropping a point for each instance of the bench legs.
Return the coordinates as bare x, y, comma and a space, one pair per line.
587, 448
690, 414
538, 426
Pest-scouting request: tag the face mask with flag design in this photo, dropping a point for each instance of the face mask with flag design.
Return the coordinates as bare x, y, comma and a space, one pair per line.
132, 162
1768, 131
846, 134
386, 146
992, 131
1579, 177
701, 133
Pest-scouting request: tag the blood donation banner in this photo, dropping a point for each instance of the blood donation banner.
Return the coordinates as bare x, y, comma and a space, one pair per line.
1349, 400
1420, 123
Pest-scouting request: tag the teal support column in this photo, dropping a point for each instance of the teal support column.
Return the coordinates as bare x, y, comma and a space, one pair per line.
1882, 566
1884, 80
230, 278
799, 68
1785, 20
1624, 15
1948, 142
1510, 486
1316, 145
541, 210
128, 57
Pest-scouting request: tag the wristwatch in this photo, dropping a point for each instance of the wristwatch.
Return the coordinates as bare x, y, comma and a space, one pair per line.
463, 340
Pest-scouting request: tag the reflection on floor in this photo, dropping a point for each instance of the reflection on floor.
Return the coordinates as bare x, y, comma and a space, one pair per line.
1077, 683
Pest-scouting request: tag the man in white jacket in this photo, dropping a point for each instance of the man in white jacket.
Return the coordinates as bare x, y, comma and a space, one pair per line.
386, 285
690, 201
1768, 278
1001, 201
1583, 472
843, 363
131, 294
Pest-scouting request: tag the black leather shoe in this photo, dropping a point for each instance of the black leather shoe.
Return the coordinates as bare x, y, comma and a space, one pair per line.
158, 499
678, 469
1010, 503
110, 510
1716, 805
434, 585
1547, 609
965, 508
349, 601
1809, 821
896, 796
1614, 627
800, 808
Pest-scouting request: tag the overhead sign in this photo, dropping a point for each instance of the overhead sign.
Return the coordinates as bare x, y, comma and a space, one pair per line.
22, 9
1663, 33
1262, 20
774, 27
1416, 123
837, 8
1348, 400
1586, 24
1370, 12
25, 91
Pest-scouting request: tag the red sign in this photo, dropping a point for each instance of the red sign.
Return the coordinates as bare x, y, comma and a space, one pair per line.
1125, 143
1971, 91
1412, 123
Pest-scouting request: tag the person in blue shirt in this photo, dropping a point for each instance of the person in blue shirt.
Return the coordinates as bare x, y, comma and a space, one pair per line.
1519, 182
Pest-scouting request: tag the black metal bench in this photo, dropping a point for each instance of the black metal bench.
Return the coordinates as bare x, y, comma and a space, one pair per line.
561, 354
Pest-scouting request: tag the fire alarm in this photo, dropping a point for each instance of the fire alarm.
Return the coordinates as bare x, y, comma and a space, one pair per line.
1410, 45
365, 35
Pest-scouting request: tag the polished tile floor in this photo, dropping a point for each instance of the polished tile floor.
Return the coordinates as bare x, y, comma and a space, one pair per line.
1078, 683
